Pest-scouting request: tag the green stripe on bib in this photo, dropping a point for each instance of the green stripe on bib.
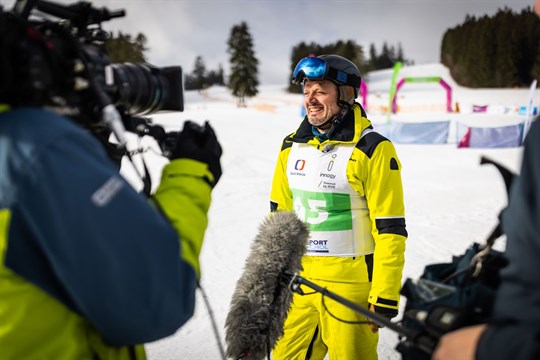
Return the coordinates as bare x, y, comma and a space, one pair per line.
323, 211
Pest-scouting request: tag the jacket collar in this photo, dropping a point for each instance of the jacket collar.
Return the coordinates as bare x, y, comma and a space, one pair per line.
346, 130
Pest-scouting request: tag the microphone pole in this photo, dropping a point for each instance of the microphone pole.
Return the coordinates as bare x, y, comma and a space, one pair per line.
417, 338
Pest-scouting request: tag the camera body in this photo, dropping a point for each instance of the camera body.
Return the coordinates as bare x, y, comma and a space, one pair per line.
53, 56
449, 296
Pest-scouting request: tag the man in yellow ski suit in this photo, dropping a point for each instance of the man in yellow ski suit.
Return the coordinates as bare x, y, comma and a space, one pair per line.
344, 180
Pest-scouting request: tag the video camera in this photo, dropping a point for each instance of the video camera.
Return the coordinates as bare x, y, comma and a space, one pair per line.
62, 65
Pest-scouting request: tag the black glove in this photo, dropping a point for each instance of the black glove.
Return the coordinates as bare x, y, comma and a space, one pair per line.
199, 143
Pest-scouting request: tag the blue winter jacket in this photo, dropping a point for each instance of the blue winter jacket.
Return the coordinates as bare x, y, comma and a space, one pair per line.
88, 268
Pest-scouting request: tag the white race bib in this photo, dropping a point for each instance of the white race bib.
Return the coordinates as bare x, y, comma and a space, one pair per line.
322, 196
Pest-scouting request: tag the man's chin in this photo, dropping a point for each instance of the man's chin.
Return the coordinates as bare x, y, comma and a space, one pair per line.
316, 122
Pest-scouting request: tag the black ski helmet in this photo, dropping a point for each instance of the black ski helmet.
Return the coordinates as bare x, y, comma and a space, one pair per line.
335, 68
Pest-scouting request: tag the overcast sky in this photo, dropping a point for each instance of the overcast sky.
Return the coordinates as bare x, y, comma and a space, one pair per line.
178, 31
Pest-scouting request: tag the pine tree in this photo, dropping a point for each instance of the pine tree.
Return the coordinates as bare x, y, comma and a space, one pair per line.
399, 54
507, 56
485, 54
200, 78
529, 44
535, 71
218, 77
199, 74
387, 57
243, 80
355, 53
373, 56
215, 77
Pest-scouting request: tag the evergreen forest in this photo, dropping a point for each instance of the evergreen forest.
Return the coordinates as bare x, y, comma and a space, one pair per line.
498, 51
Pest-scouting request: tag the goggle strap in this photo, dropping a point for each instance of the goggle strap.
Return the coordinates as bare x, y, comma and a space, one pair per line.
342, 77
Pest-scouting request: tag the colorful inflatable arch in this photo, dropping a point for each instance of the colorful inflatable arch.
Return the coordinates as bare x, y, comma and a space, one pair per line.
429, 79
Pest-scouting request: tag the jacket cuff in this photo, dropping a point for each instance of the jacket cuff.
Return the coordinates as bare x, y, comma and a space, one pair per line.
189, 167
382, 302
386, 312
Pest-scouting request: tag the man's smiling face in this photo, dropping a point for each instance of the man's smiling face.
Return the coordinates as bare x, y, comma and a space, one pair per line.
320, 100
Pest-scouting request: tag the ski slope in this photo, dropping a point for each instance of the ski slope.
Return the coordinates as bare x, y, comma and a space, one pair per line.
451, 200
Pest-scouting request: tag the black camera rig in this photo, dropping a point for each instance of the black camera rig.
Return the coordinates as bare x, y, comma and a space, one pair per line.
53, 56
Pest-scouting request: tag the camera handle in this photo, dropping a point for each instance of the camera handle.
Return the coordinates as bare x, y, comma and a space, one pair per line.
417, 338
112, 118
81, 13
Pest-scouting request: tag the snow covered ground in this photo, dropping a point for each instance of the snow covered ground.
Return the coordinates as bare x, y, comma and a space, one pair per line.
451, 200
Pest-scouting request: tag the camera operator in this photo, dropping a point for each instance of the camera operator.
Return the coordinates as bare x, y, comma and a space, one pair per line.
514, 332
89, 268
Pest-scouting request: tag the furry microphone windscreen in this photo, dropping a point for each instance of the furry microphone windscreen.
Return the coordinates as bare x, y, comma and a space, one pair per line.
261, 298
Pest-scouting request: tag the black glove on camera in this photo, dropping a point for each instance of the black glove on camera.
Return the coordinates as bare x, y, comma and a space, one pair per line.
199, 143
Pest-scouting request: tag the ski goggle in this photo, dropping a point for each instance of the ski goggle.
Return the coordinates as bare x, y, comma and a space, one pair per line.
313, 68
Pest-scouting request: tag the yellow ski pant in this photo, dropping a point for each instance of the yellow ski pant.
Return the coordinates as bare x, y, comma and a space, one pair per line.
311, 331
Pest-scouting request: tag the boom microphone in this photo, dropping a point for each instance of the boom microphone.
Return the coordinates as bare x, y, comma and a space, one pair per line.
261, 298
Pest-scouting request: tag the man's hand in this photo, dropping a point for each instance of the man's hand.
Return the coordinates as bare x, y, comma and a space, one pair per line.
460, 344
199, 143
386, 312
374, 327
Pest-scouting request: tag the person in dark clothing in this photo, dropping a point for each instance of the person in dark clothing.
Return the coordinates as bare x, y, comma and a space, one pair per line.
514, 332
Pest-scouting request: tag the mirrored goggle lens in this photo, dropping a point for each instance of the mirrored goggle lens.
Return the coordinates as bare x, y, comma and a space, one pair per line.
311, 68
